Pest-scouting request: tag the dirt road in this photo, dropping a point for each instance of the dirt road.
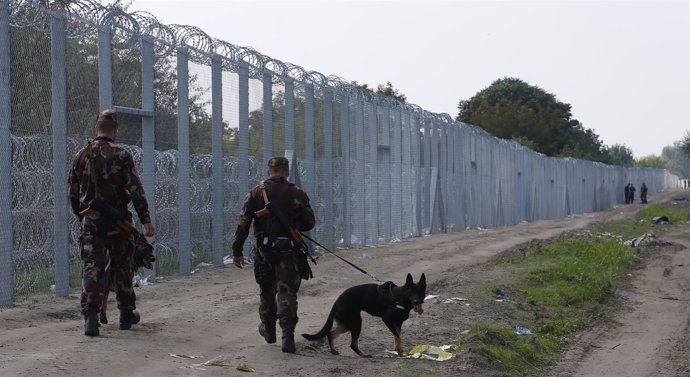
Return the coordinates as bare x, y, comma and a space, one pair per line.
213, 313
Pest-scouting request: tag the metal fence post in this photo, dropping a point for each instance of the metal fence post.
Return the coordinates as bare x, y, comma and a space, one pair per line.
396, 175
374, 172
217, 152
347, 174
243, 88
183, 163
268, 116
148, 133
290, 117
386, 163
310, 176
328, 165
59, 115
6, 231
105, 69
360, 173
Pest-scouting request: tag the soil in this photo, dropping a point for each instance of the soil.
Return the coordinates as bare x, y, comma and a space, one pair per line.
212, 314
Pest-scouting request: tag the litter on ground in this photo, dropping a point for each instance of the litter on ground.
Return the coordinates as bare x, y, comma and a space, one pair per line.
427, 352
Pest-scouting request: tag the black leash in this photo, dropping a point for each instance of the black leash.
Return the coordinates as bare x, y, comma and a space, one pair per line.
341, 258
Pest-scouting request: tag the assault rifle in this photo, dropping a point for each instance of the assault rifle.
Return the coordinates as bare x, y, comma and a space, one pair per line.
143, 250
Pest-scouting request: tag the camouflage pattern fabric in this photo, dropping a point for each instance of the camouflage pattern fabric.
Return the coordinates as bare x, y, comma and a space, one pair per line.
275, 271
278, 295
113, 257
293, 202
115, 176
106, 170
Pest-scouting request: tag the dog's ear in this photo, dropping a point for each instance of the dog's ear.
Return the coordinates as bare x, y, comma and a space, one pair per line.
409, 281
422, 281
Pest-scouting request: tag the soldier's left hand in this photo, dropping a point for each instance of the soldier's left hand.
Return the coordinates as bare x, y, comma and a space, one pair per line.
238, 261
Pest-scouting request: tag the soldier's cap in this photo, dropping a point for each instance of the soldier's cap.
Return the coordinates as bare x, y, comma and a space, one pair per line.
107, 118
278, 161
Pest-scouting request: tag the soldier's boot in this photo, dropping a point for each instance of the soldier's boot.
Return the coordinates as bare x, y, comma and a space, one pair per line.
288, 337
91, 323
268, 331
128, 318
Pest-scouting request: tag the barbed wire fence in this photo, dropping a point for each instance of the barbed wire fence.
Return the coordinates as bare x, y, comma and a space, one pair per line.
202, 116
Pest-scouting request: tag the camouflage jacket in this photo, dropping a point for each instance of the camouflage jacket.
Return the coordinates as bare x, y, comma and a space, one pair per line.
292, 201
116, 180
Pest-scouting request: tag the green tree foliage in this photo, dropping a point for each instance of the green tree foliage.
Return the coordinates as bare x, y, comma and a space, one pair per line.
651, 161
256, 126
678, 161
32, 100
620, 154
387, 90
524, 141
511, 108
685, 144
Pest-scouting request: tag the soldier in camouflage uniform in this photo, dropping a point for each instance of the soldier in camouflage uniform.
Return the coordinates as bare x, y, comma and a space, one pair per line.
105, 170
275, 256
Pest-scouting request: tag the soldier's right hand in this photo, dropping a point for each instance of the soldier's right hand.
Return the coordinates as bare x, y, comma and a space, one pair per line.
149, 231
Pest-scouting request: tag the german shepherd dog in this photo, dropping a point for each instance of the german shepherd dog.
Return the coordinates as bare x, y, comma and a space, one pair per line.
388, 301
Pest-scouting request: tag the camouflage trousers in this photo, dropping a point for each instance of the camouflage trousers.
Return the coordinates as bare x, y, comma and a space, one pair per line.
279, 281
106, 261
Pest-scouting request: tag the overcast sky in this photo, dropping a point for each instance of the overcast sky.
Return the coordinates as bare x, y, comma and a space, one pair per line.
623, 66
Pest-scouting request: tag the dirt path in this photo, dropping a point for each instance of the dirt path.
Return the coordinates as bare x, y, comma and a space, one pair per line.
214, 313
653, 330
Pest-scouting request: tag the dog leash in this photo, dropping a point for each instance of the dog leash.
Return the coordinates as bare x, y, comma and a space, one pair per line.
341, 258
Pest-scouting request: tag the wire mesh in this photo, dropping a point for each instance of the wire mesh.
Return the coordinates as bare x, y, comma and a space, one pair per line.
376, 170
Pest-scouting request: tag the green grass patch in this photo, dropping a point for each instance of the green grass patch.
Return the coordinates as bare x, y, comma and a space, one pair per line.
562, 283
676, 216
575, 272
626, 229
499, 347
39, 280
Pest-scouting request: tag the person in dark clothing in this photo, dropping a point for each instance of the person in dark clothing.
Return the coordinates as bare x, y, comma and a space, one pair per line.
275, 255
643, 193
105, 170
632, 193
627, 193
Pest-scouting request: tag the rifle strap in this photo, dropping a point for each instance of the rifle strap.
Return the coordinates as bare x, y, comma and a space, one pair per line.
262, 188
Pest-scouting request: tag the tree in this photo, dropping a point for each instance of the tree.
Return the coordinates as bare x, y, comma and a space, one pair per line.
524, 141
651, 161
685, 144
31, 90
583, 144
511, 108
678, 162
620, 154
385, 90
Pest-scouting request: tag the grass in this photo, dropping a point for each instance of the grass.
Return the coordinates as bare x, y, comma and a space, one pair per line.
562, 283
676, 216
39, 280
626, 229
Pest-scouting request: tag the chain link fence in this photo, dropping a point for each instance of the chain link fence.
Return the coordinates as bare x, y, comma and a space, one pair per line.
202, 117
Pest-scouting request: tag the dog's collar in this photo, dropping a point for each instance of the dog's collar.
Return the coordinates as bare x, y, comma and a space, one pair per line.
396, 303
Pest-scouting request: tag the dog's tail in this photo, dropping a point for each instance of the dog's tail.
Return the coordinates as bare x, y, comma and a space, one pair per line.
325, 329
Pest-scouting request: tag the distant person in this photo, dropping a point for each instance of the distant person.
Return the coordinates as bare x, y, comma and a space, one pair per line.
643, 193
632, 193
627, 193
